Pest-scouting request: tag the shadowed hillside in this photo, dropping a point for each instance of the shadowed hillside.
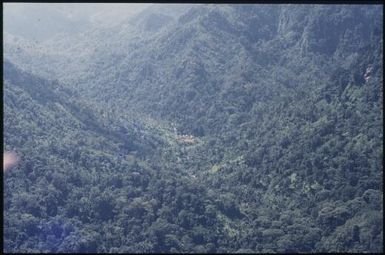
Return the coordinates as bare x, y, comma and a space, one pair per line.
203, 128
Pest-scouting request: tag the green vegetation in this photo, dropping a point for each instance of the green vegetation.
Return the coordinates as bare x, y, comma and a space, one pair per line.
232, 128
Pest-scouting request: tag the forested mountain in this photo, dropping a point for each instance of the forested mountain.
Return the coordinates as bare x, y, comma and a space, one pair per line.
199, 128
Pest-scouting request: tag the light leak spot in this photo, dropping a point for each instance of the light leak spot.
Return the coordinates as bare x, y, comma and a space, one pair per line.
10, 160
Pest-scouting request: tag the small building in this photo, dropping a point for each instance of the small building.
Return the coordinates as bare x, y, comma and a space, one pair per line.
187, 139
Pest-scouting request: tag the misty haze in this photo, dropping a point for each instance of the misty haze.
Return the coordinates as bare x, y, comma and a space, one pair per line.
192, 128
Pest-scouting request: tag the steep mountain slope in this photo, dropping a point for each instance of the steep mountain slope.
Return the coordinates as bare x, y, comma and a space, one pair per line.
77, 177
262, 129
218, 48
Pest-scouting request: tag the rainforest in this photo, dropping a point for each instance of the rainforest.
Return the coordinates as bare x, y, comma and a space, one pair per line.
193, 128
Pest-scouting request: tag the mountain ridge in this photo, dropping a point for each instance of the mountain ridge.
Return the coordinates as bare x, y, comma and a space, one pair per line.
249, 128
